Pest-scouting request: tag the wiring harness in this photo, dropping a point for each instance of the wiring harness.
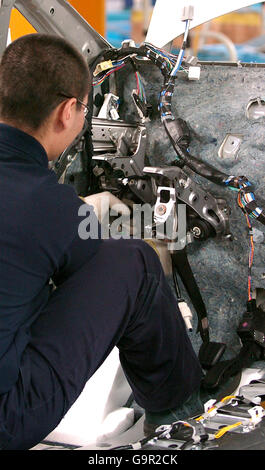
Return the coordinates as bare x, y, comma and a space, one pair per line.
200, 432
176, 129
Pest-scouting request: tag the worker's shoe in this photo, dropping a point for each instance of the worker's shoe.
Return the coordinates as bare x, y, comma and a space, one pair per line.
191, 407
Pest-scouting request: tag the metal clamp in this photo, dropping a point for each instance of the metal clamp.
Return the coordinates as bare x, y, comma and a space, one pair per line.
163, 209
214, 210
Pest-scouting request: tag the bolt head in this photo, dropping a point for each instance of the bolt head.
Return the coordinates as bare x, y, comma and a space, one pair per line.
161, 209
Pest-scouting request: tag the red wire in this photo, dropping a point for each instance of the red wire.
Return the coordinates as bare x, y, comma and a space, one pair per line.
107, 74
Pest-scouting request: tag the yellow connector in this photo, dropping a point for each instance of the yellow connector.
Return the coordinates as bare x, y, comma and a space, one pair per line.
102, 67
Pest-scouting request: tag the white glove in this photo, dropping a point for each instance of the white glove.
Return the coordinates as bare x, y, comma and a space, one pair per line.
104, 202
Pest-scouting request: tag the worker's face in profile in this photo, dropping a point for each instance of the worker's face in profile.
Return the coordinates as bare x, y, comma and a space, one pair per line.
79, 120
76, 120
71, 119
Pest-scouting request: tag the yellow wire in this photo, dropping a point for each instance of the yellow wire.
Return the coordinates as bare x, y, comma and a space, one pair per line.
226, 429
228, 397
199, 418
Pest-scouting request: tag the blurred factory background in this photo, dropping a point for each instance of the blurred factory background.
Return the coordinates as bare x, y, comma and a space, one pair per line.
235, 36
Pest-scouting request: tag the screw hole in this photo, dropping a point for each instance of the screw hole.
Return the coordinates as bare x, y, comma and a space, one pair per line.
52, 11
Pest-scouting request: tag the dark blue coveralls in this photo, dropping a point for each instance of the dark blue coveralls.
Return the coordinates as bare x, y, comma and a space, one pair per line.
109, 292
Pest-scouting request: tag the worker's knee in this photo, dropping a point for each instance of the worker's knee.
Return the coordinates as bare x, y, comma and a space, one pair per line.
139, 255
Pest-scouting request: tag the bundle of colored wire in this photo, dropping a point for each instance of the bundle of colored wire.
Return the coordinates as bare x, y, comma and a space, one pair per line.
117, 65
168, 90
102, 78
174, 61
247, 197
242, 204
169, 64
170, 59
181, 53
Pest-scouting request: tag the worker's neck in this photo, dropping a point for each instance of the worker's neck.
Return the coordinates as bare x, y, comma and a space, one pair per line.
39, 134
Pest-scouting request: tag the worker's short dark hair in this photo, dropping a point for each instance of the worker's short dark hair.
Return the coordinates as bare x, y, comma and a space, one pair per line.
35, 69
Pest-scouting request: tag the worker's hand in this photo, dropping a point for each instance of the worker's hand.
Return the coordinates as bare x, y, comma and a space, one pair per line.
104, 202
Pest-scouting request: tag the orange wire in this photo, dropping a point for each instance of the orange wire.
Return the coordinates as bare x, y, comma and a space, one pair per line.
251, 255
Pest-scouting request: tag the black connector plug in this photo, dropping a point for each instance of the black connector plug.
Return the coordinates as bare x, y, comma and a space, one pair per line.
251, 305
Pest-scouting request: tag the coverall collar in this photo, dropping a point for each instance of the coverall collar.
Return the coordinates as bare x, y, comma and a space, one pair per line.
15, 143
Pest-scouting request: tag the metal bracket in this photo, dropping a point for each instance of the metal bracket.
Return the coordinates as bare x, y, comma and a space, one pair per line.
164, 209
255, 109
5, 12
253, 392
215, 211
128, 141
230, 146
54, 17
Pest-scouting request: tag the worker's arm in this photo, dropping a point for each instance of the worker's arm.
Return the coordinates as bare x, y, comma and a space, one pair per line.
86, 241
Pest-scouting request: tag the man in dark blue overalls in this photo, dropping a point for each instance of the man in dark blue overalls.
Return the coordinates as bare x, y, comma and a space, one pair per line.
108, 292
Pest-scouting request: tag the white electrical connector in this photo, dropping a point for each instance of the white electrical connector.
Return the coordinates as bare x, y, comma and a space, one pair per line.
256, 413
114, 114
128, 43
194, 73
109, 108
186, 313
209, 407
102, 67
187, 13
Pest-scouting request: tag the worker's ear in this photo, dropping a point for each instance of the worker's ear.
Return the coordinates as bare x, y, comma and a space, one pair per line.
65, 113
